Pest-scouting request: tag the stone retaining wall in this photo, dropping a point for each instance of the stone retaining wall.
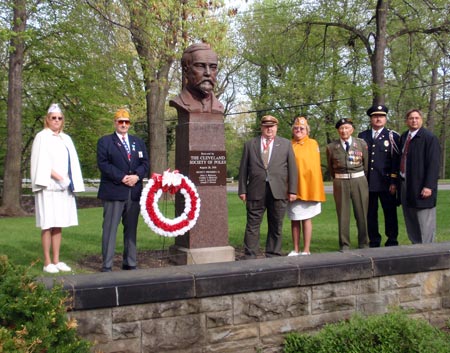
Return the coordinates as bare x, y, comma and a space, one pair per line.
248, 306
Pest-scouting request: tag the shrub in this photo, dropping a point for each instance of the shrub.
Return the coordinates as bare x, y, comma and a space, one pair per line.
33, 318
392, 332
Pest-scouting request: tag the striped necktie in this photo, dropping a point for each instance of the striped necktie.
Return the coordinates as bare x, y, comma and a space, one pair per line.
125, 144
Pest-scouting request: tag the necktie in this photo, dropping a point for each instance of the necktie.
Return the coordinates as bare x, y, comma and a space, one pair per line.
265, 153
125, 144
375, 135
404, 155
347, 146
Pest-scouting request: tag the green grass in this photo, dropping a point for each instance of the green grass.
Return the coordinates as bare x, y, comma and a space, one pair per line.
20, 239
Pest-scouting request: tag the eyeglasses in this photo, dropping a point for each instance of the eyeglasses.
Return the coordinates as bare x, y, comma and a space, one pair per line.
57, 118
126, 122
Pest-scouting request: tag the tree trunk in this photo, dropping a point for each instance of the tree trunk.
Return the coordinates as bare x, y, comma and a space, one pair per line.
377, 58
157, 132
432, 102
12, 179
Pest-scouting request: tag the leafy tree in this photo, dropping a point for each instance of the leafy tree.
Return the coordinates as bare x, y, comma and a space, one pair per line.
160, 31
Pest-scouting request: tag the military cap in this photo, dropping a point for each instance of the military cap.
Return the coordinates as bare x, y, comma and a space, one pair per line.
269, 120
377, 109
121, 114
300, 121
343, 121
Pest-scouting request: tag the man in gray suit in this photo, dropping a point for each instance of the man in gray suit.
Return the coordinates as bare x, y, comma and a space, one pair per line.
267, 180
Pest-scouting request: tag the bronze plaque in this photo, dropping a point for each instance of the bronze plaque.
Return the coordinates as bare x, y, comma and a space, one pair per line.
208, 167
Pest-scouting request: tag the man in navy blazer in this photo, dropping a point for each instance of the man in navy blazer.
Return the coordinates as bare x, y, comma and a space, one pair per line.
267, 180
123, 163
383, 178
419, 171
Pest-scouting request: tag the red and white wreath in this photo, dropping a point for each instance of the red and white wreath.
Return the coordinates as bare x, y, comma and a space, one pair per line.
170, 182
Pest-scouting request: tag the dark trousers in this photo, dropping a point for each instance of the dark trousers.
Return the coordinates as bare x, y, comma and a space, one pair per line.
113, 212
389, 206
275, 215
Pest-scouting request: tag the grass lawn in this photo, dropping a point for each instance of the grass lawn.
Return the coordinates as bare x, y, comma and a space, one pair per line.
20, 239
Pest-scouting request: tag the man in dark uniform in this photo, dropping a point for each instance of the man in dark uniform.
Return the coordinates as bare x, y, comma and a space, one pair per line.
384, 161
348, 164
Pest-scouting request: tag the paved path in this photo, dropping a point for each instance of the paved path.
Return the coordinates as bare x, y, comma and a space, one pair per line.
329, 188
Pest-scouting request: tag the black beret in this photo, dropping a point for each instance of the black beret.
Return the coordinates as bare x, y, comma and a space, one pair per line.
343, 121
377, 109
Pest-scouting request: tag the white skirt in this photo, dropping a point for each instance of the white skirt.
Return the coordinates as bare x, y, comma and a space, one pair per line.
300, 210
55, 209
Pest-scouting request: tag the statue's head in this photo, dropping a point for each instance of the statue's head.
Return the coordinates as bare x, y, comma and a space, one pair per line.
199, 63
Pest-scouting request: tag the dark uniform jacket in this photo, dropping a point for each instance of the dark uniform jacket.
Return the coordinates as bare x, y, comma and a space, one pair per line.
384, 159
112, 160
422, 167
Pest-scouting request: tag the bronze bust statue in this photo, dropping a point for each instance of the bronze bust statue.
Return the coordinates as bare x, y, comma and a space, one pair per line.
199, 65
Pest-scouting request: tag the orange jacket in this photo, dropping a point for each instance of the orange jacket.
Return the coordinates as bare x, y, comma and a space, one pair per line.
310, 181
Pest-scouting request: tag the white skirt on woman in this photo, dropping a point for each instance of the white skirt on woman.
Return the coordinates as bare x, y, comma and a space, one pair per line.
300, 210
55, 209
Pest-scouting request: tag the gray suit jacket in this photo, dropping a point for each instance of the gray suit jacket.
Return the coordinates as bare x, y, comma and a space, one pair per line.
281, 172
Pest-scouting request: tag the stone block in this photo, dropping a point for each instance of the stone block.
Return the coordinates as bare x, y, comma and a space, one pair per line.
401, 281
94, 325
243, 346
232, 333
156, 310
332, 267
243, 276
270, 305
126, 330
432, 284
335, 304
375, 303
332, 290
424, 305
182, 332
219, 318
408, 259
119, 346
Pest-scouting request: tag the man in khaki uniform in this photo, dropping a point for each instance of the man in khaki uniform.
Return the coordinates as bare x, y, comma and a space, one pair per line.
348, 165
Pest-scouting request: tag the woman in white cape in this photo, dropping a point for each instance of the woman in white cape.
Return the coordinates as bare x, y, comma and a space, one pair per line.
55, 176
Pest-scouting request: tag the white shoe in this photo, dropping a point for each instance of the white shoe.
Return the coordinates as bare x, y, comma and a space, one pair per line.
305, 253
51, 268
63, 267
293, 253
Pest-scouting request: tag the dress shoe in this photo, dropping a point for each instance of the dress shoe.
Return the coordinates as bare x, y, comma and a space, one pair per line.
106, 269
127, 267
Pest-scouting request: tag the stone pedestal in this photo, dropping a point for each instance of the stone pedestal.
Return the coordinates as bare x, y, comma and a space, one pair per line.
200, 155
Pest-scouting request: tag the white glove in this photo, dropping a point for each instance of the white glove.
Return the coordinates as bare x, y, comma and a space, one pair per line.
64, 183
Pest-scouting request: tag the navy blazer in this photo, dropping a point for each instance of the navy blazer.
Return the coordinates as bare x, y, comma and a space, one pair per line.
112, 160
422, 168
281, 173
384, 159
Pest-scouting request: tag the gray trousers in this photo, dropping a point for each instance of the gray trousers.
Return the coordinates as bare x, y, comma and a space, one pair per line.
420, 222
276, 210
113, 212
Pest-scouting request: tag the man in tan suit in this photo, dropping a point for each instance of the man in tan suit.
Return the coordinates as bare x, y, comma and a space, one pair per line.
267, 181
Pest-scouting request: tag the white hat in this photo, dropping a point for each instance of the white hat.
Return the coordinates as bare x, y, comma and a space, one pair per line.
54, 108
